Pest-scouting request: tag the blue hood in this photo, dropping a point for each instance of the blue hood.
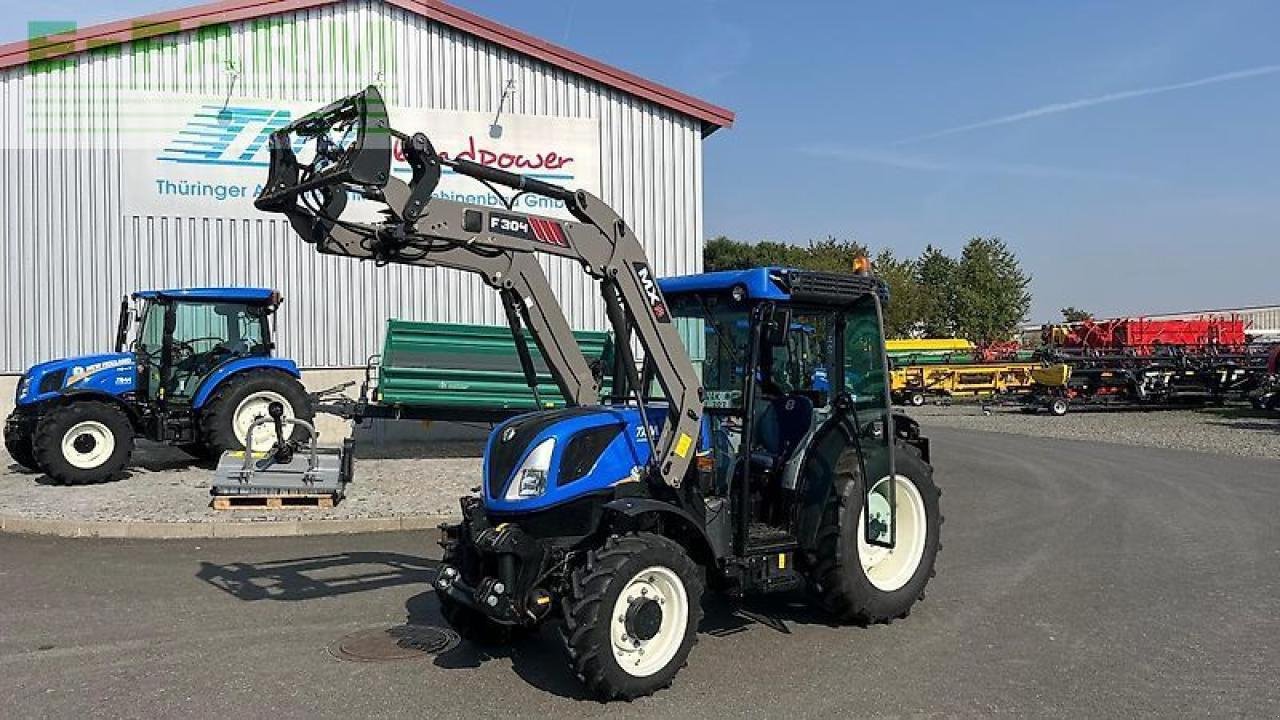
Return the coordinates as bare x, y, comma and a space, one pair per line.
110, 373
591, 450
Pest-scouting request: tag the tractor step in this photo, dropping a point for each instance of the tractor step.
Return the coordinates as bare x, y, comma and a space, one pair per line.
273, 502
765, 539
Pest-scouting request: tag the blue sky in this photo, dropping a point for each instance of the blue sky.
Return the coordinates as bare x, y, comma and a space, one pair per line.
1129, 152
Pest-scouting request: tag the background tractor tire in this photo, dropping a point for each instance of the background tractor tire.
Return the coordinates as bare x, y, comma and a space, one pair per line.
18, 444
631, 616
916, 399
1058, 407
847, 589
83, 442
233, 405
470, 624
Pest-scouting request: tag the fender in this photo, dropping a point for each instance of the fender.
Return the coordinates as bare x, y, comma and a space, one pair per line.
120, 401
237, 366
634, 507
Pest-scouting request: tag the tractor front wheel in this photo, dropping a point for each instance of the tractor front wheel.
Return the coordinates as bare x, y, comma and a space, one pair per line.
17, 441
82, 443
241, 399
632, 615
861, 582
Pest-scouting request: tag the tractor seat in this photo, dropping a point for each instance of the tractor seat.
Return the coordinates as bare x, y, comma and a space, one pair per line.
780, 429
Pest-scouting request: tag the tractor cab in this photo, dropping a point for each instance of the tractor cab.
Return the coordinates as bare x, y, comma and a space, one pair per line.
793, 367
182, 337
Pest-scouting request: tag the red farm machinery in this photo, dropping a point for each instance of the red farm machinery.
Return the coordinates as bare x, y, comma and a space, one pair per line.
1145, 362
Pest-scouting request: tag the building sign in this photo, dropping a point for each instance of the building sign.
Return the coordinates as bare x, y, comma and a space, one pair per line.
193, 156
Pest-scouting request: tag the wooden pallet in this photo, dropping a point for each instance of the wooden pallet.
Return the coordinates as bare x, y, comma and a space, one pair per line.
272, 502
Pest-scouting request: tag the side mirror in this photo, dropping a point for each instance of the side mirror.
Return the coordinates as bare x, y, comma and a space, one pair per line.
779, 327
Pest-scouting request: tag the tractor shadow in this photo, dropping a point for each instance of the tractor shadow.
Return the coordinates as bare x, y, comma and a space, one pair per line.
147, 458
321, 576
537, 658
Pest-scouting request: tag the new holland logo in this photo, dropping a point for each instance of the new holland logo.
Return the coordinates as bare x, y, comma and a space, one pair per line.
217, 135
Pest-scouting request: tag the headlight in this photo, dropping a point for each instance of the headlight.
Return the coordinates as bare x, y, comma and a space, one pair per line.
23, 387
531, 478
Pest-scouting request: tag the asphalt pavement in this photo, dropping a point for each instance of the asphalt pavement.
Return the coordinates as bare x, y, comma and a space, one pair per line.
1077, 580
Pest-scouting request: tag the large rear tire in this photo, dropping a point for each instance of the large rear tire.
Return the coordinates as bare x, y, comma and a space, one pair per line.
17, 442
862, 583
632, 615
83, 442
226, 416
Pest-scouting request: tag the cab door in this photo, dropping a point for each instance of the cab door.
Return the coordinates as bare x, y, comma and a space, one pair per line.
865, 396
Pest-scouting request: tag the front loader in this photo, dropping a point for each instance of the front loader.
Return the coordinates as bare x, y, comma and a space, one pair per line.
754, 468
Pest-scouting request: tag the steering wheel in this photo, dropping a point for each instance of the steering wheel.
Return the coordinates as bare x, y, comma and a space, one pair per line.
184, 349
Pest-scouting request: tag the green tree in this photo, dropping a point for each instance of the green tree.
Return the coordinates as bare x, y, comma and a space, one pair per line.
991, 293
721, 253
1071, 314
936, 279
902, 314
831, 255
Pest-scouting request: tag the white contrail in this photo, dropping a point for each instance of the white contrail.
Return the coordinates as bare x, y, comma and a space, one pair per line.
1070, 105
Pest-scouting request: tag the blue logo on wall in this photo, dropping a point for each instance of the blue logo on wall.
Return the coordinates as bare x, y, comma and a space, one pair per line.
215, 134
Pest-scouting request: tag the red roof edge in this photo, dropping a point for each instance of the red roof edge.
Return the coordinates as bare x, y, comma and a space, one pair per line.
97, 36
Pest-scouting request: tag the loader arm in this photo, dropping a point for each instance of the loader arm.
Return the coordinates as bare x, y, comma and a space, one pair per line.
499, 244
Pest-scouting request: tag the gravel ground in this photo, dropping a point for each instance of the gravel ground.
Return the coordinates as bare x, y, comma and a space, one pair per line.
165, 486
1230, 430
424, 479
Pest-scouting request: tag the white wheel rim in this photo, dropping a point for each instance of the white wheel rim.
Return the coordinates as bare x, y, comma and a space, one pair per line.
642, 658
253, 407
890, 568
88, 444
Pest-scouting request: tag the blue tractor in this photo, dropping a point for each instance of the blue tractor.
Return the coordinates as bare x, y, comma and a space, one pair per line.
718, 458
196, 372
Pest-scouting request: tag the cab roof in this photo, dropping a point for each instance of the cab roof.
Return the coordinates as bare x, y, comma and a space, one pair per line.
780, 283
264, 296
763, 283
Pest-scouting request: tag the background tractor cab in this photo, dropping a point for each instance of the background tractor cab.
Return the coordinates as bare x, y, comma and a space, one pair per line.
191, 367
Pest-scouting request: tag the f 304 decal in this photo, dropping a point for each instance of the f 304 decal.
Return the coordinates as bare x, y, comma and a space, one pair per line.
528, 227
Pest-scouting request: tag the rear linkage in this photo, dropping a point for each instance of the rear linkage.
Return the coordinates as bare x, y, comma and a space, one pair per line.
498, 245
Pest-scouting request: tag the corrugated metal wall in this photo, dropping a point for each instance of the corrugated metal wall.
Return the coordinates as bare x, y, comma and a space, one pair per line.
69, 253
1258, 321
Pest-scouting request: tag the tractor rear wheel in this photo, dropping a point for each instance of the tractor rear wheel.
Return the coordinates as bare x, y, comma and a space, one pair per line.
864, 583
17, 441
632, 615
238, 401
83, 442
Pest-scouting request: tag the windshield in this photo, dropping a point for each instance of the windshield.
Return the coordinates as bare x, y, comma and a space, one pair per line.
722, 328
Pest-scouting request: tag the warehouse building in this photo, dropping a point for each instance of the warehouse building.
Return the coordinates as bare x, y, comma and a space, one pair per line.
132, 152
